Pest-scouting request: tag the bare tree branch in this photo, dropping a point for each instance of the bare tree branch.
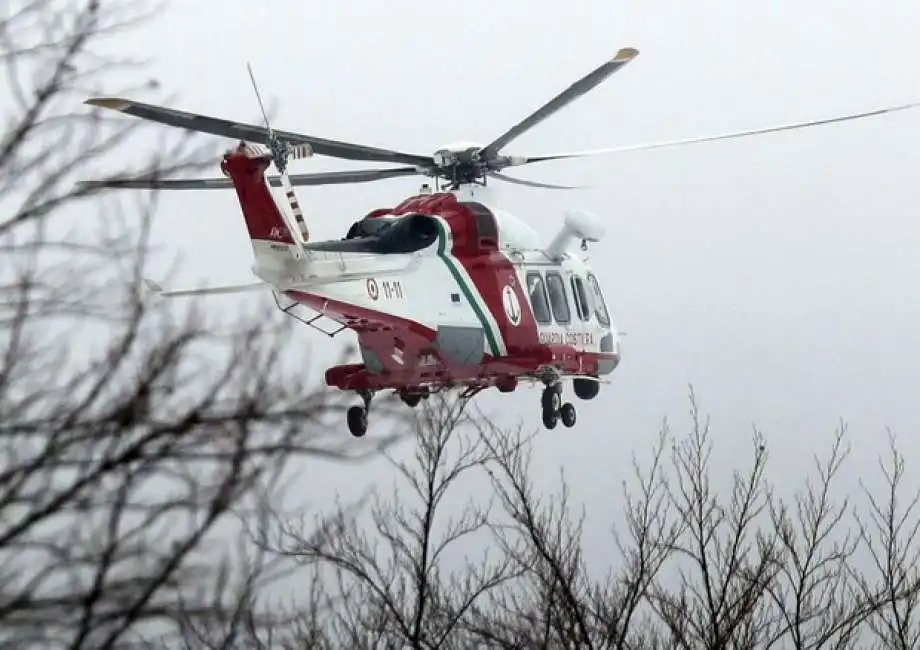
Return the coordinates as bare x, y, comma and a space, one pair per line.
814, 597
134, 433
391, 578
694, 568
890, 531
728, 562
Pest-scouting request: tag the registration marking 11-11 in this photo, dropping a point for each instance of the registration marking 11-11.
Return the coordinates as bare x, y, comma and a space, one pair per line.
386, 289
392, 289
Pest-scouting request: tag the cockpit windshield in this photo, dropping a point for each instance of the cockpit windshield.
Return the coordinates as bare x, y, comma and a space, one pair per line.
600, 307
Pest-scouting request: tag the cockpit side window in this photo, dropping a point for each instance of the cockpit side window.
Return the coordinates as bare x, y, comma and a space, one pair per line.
600, 307
536, 291
581, 298
558, 298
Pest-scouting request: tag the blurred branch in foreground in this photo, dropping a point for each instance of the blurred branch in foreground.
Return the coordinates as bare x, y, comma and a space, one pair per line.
133, 435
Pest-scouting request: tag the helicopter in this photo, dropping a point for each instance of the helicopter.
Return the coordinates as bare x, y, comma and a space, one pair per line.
443, 290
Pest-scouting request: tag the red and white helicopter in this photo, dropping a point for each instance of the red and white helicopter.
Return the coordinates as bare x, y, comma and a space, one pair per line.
442, 290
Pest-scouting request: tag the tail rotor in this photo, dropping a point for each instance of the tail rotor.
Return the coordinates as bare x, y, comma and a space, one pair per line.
281, 151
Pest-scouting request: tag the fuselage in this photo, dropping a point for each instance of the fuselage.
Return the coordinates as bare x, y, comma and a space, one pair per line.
474, 281
443, 283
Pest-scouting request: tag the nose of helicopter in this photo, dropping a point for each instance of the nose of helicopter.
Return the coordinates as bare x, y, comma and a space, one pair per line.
610, 351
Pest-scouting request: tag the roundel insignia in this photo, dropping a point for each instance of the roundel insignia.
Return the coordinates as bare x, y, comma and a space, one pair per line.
511, 304
372, 289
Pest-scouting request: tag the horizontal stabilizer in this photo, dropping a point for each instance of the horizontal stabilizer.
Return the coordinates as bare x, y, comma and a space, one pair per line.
205, 291
253, 286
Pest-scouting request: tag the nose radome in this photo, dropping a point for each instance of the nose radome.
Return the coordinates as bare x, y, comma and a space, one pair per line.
608, 343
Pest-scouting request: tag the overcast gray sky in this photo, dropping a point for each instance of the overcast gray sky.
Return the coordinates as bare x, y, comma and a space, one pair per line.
777, 274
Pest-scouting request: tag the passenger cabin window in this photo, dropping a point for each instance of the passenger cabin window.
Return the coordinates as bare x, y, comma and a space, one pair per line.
600, 308
581, 298
557, 297
537, 293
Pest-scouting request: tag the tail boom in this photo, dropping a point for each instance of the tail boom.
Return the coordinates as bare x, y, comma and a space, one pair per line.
265, 221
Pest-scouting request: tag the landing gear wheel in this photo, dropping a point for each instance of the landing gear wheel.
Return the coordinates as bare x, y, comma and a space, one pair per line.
357, 421
567, 413
552, 398
586, 388
410, 399
550, 417
506, 384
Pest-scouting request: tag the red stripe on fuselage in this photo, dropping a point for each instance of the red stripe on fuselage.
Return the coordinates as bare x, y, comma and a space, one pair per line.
385, 333
491, 274
361, 319
570, 362
382, 332
475, 246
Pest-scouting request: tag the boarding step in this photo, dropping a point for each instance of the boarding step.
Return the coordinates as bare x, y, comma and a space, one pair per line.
308, 316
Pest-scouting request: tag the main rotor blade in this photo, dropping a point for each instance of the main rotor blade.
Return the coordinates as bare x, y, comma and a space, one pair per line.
253, 133
158, 184
573, 92
525, 160
318, 178
520, 181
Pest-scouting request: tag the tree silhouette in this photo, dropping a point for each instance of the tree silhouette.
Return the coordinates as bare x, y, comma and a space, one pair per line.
807, 566
134, 434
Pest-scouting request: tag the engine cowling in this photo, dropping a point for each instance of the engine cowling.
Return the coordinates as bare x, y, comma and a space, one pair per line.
411, 233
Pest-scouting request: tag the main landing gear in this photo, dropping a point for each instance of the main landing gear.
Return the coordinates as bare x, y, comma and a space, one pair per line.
412, 397
357, 415
554, 408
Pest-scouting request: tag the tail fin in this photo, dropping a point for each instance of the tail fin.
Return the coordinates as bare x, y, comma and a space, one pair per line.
265, 220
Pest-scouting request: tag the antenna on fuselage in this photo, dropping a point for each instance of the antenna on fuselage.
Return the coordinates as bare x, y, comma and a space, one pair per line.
281, 150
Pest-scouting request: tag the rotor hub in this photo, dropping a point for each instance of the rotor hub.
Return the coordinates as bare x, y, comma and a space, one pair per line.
460, 163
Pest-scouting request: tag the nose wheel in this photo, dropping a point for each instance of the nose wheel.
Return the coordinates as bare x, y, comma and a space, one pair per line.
554, 409
357, 415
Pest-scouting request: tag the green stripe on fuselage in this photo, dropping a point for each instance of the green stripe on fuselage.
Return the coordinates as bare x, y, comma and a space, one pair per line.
467, 290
